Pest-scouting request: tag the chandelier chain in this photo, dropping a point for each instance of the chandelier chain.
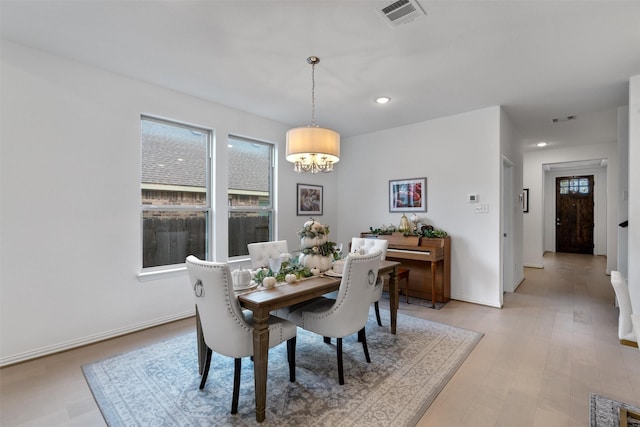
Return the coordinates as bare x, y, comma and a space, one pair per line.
313, 94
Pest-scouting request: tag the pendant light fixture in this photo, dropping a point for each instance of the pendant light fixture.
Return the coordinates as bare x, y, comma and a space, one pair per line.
312, 148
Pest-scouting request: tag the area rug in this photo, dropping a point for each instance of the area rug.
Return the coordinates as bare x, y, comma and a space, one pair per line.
158, 385
605, 412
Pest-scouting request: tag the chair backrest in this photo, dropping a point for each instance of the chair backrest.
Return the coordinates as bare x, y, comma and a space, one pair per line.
369, 245
224, 327
625, 327
261, 252
350, 312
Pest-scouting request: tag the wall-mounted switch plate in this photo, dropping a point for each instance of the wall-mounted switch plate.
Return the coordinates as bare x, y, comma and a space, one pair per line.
479, 208
473, 198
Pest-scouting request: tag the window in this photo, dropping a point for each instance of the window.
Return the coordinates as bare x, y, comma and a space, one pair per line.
574, 186
175, 193
250, 194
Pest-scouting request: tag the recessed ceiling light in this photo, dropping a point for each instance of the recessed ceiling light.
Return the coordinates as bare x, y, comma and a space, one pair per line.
382, 100
541, 144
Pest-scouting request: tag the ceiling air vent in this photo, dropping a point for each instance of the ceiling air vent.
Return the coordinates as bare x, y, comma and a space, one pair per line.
401, 12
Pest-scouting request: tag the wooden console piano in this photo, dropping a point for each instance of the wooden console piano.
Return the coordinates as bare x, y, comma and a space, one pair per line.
429, 260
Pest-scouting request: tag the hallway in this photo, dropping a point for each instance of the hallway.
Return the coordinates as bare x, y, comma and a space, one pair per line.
554, 342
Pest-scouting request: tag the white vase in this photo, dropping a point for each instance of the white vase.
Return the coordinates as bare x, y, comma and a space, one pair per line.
322, 263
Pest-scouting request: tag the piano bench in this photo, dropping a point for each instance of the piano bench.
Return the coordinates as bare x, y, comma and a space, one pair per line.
403, 274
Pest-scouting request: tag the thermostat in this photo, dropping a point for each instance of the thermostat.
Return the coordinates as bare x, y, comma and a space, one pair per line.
473, 198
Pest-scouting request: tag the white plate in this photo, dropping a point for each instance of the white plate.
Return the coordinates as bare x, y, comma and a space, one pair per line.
332, 273
246, 288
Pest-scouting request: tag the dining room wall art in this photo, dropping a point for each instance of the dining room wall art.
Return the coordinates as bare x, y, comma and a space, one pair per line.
309, 200
408, 195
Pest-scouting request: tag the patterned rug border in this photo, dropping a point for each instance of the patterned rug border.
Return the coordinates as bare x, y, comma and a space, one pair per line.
604, 411
103, 379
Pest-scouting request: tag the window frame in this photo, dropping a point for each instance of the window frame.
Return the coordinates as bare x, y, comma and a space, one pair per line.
146, 272
270, 209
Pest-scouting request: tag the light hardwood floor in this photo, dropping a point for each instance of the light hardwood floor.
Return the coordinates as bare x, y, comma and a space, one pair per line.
554, 342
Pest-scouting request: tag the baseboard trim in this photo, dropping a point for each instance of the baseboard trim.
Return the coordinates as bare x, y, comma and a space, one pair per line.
91, 339
533, 265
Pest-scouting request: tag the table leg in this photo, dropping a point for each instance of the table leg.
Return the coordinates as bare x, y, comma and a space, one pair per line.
433, 284
260, 360
393, 298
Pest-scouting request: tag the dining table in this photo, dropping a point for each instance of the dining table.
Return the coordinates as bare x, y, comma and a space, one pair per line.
262, 301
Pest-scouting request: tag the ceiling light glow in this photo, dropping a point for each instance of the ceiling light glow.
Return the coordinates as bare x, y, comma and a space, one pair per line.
382, 100
541, 144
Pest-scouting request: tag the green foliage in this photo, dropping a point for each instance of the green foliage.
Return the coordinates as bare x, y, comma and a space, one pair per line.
325, 249
288, 267
435, 232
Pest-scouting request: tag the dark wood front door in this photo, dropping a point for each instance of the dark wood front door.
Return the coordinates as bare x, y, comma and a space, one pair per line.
574, 214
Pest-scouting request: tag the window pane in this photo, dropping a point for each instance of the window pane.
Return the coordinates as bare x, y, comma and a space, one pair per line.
250, 194
170, 236
249, 173
247, 227
174, 192
174, 164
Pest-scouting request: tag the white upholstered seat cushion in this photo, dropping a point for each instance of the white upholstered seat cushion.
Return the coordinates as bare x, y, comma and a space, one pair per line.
261, 252
348, 313
226, 328
369, 245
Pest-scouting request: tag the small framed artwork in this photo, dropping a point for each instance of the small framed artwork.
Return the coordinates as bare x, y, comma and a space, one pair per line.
408, 195
525, 200
309, 199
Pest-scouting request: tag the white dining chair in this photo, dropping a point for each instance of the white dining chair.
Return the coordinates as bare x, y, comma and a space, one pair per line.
366, 246
626, 334
262, 252
349, 312
226, 329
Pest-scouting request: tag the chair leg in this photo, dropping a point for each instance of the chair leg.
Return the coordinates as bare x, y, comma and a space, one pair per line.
291, 358
327, 340
340, 369
377, 308
236, 385
406, 288
362, 337
205, 371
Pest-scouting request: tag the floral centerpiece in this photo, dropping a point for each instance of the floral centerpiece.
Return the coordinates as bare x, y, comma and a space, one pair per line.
317, 251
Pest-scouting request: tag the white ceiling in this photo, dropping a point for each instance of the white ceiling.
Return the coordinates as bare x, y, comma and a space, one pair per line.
539, 59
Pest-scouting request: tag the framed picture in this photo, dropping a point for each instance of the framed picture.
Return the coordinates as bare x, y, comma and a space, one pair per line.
408, 195
309, 199
525, 200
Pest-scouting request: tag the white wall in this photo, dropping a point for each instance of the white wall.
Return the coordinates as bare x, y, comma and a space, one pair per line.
70, 252
634, 192
533, 178
70, 213
459, 155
